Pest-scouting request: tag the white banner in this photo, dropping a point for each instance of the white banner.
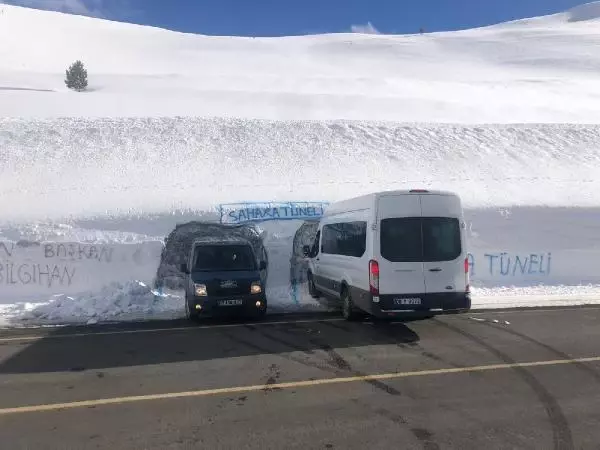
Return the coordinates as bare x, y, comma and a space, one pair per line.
233, 213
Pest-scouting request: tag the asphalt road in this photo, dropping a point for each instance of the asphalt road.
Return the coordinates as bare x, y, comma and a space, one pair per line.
529, 380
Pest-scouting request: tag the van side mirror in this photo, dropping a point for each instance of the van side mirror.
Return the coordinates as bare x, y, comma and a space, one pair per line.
306, 251
262, 265
184, 268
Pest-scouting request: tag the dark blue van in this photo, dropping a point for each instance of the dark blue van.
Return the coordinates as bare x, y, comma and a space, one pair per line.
224, 277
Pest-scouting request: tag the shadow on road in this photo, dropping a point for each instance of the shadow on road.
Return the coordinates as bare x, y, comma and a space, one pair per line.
79, 348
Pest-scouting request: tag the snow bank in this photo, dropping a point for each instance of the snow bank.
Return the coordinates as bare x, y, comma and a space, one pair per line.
520, 257
131, 301
542, 70
135, 301
535, 296
142, 166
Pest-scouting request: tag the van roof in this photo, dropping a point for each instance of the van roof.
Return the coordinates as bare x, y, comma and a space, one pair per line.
366, 201
220, 240
415, 191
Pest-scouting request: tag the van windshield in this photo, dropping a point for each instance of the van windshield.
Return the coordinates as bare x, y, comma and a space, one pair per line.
416, 239
221, 258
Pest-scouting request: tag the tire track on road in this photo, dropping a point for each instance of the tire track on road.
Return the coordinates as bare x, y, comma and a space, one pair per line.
269, 351
337, 360
581, 366
561, 431
424, 436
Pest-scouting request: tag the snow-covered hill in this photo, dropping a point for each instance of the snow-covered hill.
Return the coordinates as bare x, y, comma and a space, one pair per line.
535, 70
544, 69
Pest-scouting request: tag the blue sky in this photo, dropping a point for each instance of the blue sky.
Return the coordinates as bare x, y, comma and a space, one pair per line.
293, 17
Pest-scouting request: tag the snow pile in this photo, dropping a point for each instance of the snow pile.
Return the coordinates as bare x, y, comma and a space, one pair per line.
140, 166
535, 70
135, 302
583, 291
535, 296
117, 302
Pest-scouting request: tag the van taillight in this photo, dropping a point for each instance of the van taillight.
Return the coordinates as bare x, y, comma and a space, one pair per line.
374, 277
466, 265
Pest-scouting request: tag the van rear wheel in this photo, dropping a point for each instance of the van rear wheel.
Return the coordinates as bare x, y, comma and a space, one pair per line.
348, 310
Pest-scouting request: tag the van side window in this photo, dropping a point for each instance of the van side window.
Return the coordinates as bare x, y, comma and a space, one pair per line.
347, 239
315, 248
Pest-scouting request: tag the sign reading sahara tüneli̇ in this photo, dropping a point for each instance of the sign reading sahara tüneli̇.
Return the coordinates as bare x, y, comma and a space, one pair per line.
259, 212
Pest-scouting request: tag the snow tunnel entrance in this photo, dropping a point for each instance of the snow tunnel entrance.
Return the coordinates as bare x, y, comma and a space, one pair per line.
277, 232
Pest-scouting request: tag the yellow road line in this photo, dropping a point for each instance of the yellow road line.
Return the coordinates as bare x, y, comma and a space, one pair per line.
160, 330
292, 384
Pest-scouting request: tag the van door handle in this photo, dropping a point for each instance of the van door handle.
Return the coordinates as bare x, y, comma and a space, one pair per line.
435, 269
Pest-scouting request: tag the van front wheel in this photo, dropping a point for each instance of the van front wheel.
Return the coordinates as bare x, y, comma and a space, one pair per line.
190, 314
348, 310
312, 289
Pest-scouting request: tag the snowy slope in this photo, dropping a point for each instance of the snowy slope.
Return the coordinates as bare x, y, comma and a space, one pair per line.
534, 70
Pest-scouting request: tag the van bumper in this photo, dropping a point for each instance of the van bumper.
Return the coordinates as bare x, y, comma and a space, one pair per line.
431, 304
212, 306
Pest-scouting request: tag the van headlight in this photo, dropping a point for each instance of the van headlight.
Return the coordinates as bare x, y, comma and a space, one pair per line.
200, 290
256, 288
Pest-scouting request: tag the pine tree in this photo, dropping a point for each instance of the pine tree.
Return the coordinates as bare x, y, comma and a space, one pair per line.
77, 77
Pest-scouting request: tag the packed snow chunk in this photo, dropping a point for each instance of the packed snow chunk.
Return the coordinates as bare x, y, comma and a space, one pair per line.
118, 302
588, 11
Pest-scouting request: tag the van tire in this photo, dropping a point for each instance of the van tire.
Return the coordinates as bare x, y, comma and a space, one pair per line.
190, 315
348, 310
312, 289
260, 314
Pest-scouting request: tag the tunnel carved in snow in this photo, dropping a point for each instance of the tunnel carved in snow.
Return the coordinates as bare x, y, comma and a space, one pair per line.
179, 243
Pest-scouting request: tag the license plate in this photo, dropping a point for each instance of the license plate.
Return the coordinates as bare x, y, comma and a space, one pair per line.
230, 302
407, 301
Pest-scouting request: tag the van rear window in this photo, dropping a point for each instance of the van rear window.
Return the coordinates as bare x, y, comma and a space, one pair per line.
401, 239
221, 258
416, 239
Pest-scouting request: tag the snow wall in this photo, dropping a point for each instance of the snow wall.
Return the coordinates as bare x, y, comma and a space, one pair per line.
508, 247
127, 166
125, 179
